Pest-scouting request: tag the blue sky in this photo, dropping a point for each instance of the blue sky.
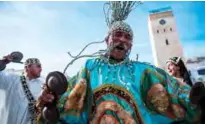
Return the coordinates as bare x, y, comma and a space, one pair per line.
48, 30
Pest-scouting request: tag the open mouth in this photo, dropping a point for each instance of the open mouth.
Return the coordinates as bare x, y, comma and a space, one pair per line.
170, 71
119, 47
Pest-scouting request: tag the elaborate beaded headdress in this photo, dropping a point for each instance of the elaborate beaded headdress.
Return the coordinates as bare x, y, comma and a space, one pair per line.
118, 14
174, 60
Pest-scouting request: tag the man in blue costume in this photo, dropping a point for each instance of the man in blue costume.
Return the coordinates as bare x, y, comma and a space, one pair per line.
113, 89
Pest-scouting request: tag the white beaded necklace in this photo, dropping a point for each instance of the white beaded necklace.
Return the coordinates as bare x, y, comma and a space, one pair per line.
129, 66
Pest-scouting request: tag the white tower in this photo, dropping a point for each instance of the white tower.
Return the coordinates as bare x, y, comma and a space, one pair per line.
164, 37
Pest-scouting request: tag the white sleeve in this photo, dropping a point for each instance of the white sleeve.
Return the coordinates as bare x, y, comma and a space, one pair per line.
7, 79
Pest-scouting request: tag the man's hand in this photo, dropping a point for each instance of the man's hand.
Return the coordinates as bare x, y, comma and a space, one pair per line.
7, 59
45, 97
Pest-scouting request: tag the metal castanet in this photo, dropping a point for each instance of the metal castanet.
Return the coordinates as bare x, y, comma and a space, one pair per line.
16, 57
13, 57
50, 113
56, 83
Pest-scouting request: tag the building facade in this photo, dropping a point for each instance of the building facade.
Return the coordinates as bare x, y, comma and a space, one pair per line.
163, 36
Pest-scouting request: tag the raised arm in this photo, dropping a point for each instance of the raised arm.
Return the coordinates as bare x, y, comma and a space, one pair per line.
6, 79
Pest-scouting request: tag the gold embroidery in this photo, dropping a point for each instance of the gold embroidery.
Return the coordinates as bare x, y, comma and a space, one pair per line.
77, 96
110, 105
108, 119
38, 121
178, 111
158, 97
120, 92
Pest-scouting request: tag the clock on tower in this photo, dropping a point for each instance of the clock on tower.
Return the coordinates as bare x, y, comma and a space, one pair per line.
163, 36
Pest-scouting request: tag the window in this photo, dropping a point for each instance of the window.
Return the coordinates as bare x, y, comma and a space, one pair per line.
201, 71
170, 29
157, 31
167, 42
164, 30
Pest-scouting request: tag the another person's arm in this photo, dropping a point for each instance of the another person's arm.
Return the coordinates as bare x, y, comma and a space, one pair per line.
7, 79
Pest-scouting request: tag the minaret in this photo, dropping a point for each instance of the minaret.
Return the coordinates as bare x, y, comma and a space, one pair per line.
163, 35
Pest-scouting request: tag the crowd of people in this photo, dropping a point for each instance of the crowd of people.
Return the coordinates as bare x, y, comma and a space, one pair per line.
110, 88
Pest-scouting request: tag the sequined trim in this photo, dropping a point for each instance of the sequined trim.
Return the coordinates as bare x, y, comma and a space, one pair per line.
108, 119
74, 103
120, 92
112, 106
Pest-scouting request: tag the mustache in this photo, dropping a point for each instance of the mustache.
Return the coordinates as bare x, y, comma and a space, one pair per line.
118, 44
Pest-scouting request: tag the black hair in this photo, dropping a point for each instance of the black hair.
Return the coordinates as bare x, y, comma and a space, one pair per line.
182, 69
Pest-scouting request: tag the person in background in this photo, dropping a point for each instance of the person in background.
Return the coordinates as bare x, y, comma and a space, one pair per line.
177, 69
21, 92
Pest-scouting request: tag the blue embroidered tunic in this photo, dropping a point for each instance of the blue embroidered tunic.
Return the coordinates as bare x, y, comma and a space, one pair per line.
129, 92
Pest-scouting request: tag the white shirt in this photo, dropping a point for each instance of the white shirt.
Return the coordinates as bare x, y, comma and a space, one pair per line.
14, 108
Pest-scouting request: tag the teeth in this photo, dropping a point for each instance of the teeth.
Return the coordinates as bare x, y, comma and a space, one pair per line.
119, 46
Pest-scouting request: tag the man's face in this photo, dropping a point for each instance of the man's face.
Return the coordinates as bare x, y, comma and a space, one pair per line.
172, 69
121, 42
34, 70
